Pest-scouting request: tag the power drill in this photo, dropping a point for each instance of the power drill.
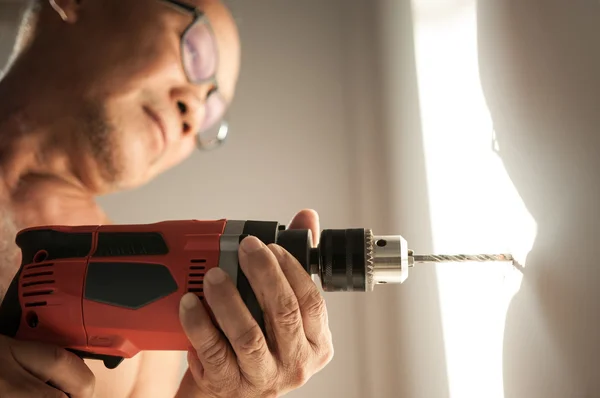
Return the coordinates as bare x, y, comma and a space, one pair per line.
107, 292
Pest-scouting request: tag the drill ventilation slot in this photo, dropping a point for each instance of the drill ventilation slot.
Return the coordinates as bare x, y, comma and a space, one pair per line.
38, 293
196, 276
36, 304
32, 281
36, 283
38, 266
33, 275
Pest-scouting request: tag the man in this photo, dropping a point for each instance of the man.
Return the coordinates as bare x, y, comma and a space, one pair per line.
103, 95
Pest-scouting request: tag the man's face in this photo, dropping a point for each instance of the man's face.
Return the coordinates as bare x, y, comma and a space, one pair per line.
132, 109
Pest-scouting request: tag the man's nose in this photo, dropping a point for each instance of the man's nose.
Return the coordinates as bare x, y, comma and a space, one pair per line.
190, 109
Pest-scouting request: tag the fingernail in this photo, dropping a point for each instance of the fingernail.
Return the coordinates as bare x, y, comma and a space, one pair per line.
215, 276
251, 244
189, 301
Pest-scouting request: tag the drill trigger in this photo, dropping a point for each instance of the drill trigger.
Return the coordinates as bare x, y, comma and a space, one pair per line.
110, 361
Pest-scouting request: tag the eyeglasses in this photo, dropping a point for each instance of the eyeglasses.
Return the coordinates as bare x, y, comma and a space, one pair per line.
200, 57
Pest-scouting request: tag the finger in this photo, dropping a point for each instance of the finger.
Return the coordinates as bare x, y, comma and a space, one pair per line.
275, 296
63, 369
249, 344
214, 353
311, 302
25, 385
307, 219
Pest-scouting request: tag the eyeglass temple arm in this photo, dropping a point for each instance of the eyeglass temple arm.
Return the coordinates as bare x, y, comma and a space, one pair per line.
181, 6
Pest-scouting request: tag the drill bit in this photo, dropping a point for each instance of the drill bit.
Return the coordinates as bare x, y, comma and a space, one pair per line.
458, 258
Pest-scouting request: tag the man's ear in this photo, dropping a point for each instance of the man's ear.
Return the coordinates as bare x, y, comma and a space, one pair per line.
68, 10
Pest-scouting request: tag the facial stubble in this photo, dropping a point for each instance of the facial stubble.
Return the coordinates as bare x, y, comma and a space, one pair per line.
103, 145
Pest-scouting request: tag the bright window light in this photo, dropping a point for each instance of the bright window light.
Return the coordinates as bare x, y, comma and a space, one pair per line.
474, 205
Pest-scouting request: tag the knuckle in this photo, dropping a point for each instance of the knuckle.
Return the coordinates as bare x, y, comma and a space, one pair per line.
252, 342
214, 351
61, 357
298, 368
323, 349
288, 312
299, 377
314, 304
326, 355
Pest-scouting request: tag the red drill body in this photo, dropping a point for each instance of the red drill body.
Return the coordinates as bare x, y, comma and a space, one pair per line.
108, 292
93, 303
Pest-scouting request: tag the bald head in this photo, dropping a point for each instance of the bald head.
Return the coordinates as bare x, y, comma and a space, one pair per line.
132, 82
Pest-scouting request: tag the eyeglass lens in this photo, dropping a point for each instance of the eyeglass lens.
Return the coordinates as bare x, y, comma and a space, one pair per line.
199, 52
200, 59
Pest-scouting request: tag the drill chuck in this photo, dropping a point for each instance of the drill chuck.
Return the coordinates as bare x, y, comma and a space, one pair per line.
349, 259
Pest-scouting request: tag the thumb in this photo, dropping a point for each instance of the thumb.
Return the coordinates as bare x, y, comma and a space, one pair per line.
307, 219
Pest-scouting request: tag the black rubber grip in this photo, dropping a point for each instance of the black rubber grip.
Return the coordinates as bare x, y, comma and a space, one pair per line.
128, 285
130, 244
56, 244
10, 309
298, 242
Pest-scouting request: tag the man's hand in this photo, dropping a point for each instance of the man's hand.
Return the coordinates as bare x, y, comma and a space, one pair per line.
30, 369
241, 362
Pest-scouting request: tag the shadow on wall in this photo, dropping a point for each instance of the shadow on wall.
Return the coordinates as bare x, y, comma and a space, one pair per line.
540, 70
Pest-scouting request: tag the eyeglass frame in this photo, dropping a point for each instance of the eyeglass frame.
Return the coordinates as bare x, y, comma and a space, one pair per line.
198, 16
